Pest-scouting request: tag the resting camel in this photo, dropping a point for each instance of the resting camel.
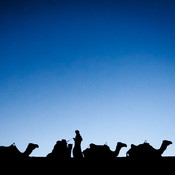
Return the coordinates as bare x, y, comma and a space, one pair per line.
145, 150
102, 151
12, 152
61, 150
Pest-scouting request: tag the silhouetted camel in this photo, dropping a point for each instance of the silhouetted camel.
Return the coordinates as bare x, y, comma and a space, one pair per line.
12, 152
145, 150
61, 150
102, 151
77, 153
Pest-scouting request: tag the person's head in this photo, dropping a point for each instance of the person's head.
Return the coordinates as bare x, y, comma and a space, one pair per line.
77, 131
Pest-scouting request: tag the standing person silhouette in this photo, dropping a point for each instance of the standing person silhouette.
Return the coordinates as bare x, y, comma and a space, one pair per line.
77, 153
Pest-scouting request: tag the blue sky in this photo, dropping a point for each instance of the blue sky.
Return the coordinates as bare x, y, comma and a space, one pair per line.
106, 68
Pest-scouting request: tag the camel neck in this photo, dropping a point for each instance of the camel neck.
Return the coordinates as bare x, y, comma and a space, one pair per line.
162, 148
117, 150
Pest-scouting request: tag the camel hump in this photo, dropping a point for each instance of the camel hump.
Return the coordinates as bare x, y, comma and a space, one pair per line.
94, 146
141, 150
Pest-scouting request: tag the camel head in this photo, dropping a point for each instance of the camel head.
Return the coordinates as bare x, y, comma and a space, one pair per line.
120, 145
166, 142
30, 148
164, 146
118, 148
70, 146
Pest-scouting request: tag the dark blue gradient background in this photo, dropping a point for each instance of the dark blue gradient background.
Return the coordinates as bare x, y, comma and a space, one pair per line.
106, 68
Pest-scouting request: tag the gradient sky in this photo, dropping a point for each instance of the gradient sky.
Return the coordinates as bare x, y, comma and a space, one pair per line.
104, 67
